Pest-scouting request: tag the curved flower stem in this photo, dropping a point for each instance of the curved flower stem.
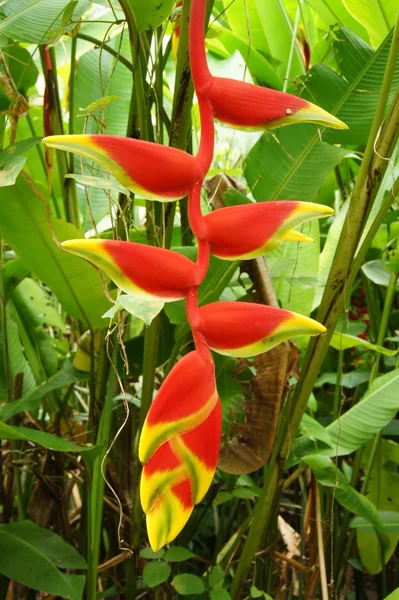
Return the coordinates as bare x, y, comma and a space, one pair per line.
200, 73
193, 317
197, 221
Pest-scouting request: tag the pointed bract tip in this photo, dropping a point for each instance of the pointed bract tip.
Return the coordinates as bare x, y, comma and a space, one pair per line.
315, 114
300, 325
297, 236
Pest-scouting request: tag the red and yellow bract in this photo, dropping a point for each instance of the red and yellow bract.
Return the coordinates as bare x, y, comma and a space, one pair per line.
139, 270
243, 329
179, 447
252, 107
249, 230
150, 170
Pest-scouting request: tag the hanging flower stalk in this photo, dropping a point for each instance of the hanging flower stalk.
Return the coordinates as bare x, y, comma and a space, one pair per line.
180, 439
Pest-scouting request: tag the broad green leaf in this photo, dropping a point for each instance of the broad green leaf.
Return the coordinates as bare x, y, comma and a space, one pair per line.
38, 304
394, 595
17, 360
31, 401
331, 12
156, 572
14, 272
149, 553
376, 16
33, 556
328, 475
377, 273
144, 309
363, 70
47, 440
76, 284
349, 380
178, 554
389, 519
187, 584
90, 74
383, 492
293, 151
270, 31
99, 182
305, 264
23, 71
315, 430
225, 42
369, 416
37, 21
151, 13
343, 341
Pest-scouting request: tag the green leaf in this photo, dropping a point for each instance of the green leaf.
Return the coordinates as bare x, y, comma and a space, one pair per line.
220, 594
293, 151
39, 305
13, 273
67, 375
187, 584
17, 359
394, 595
33, 556
149, 553
389, 519
305, 263
156, 572
369, 416
37, 21
47, 440
225, 42
76, 284
383, 492
151, 13
376, 16
343, 341
328, 475
24, 73
356, 100
146, 309
377, 273
99, 182
244, 493
10, 171
178, 554
216, 578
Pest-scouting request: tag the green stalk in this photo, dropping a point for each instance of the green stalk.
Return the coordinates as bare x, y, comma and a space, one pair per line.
105, 391
71, 123
367, 183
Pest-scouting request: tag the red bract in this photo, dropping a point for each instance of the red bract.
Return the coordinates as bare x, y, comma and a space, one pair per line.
250, 230
252, 107
244, 329
138, 269
150, 170
179, 447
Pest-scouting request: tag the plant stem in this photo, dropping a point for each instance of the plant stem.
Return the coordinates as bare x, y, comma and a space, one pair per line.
320, 544
105, 389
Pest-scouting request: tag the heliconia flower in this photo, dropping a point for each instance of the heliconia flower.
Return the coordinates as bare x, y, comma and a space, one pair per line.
251, 107
138, 269
179, 447
150, 170
244, 105
249, 230
242, 329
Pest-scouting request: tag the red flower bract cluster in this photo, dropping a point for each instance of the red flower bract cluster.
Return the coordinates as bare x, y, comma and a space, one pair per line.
180, 439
